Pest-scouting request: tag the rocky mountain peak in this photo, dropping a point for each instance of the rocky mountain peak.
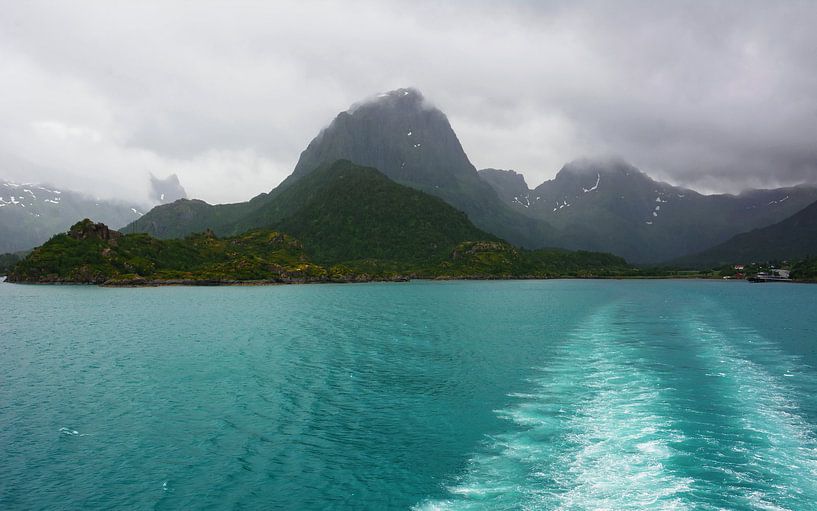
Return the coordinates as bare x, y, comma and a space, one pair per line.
399, 133
167, 190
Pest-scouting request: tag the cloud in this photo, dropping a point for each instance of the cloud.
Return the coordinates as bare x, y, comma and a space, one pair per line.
715, 95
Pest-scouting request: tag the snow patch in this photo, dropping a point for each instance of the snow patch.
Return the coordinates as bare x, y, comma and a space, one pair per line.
564, 204
595, 186
525, 204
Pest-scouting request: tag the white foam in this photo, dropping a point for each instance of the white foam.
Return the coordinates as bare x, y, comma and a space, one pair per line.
588, 439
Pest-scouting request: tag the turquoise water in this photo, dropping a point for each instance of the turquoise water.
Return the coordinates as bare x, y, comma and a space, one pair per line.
563, 395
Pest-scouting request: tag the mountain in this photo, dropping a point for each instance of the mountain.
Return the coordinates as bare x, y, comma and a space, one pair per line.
791, 239
412, 142
402, 136
31, 213
612, 206
165, 191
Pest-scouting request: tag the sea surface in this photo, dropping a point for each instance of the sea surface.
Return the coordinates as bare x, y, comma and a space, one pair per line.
560, 394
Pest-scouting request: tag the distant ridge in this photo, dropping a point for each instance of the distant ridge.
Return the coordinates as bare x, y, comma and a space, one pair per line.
789, 240
612, 206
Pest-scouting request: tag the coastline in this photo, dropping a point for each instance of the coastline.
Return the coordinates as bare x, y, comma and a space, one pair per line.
140, 283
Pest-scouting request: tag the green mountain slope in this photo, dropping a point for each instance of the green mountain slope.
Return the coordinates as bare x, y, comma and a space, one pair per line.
186, 216
344, 212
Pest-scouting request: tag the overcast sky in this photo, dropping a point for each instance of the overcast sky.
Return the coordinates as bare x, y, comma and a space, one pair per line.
719, 96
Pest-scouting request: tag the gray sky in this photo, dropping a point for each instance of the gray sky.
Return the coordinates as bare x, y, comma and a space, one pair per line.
719, 96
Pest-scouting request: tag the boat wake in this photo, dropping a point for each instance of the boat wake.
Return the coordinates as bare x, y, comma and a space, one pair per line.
622, 418
593, 433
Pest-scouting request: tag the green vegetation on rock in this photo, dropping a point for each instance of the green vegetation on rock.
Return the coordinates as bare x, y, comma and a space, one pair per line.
91, 253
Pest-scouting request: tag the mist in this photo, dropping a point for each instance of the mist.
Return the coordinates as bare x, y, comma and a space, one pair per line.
716, 96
